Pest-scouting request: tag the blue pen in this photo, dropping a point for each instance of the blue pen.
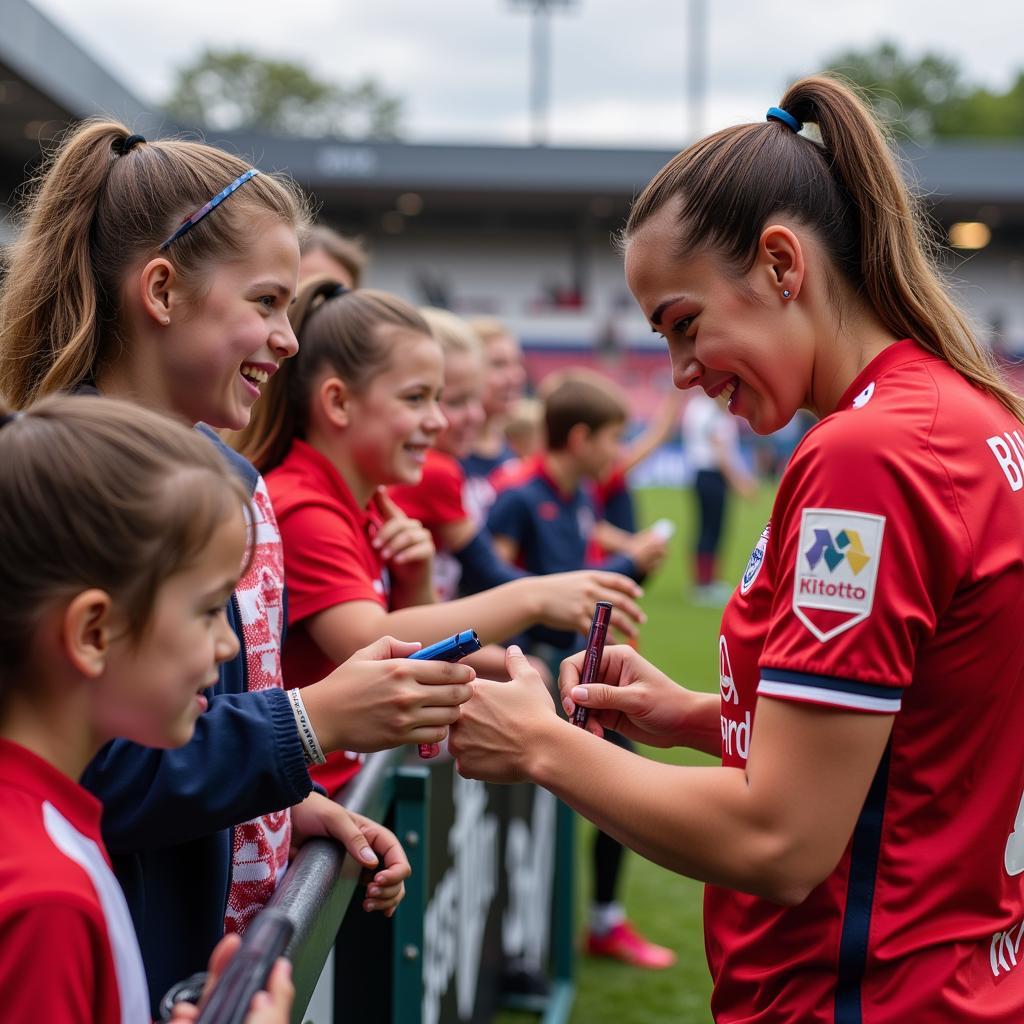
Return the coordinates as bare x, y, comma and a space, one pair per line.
455, 648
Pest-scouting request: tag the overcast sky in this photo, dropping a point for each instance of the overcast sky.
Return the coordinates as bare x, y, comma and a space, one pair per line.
618, 66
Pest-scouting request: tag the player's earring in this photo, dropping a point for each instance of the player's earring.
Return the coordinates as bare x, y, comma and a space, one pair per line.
786, 293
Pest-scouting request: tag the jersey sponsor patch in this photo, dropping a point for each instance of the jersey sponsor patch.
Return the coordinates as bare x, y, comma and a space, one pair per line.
755, 561
836, 569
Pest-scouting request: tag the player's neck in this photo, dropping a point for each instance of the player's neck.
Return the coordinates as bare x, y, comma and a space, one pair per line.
562, 469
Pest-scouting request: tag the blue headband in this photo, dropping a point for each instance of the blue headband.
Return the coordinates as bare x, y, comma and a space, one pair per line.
783, 117
190, 222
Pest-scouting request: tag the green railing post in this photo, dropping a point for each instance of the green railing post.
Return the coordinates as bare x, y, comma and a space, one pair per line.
411, 794
563, 924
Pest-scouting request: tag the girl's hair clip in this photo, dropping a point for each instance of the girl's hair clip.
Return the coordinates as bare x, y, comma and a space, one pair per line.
8, 417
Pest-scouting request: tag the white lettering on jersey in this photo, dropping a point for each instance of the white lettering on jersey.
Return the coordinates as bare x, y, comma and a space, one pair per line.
1013, 856
836, 568
1009, 454
1003, 949
736, 736
725, 680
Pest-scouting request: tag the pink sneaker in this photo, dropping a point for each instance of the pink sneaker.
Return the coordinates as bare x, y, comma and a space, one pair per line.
624, 943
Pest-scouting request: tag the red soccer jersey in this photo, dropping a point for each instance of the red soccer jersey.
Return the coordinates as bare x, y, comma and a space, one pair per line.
69, 952
328, 560
891, 580
437, 501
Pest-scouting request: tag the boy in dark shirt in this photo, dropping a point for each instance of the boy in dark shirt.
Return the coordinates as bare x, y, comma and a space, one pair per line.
544, 523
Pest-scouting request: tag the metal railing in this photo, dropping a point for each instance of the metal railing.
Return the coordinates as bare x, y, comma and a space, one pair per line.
379, 964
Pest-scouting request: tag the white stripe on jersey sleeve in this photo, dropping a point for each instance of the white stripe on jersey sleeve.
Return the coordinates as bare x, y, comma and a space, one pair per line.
829, 697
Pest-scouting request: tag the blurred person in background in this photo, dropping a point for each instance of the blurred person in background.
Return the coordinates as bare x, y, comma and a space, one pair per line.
711, 444
322, 250
504, 385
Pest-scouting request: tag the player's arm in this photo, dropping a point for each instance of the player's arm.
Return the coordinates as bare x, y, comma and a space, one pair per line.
775, 828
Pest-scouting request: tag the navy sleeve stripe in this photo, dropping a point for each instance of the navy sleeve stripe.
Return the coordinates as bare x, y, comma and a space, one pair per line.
852, 686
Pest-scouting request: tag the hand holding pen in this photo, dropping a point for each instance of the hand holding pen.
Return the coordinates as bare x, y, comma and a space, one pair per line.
592, 656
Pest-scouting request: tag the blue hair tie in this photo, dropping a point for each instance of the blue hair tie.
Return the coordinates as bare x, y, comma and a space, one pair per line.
190, 222
783, 117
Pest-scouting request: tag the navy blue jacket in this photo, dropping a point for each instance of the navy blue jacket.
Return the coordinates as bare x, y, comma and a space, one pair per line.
168, 814
552, 531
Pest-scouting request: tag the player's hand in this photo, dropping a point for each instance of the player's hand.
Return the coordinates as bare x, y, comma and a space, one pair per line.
630, 697
568, 599
271, 1006
502, 725
647, 550
401, 540
380, 699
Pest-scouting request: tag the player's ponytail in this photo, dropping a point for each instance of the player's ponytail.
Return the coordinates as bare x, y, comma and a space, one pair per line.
898, 250
846, 185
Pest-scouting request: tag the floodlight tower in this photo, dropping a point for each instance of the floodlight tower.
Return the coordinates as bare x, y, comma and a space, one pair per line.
540, 63
696, 79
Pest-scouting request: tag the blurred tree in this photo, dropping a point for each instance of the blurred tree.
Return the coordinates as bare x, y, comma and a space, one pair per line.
230, 89
928, 97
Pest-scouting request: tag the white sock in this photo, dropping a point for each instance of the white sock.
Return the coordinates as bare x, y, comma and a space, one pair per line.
605, 916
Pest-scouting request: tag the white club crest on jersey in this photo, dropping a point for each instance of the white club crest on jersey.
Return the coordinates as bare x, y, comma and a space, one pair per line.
725, 680
755, 561
836, 569
864, 397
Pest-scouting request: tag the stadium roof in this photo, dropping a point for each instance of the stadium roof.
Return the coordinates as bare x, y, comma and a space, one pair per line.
47, 79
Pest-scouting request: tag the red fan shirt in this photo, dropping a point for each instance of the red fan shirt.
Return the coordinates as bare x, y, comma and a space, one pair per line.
437, 501
328, 560
68, 952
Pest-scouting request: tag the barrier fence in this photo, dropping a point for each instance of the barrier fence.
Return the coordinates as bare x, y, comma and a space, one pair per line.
487, 921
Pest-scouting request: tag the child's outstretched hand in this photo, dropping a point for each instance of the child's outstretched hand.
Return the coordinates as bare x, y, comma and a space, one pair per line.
372, 845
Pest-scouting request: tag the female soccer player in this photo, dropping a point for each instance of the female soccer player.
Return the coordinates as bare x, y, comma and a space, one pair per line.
864, 836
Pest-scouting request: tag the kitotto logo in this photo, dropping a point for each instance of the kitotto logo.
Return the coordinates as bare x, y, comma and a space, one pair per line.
837, 565
833, 552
